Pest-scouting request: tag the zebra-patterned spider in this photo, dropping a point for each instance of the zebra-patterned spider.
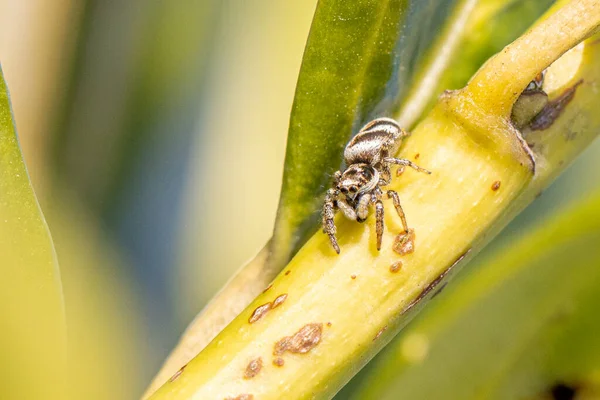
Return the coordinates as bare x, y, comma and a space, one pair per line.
368, 158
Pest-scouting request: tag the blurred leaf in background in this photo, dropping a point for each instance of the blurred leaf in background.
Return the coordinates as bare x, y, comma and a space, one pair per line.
33, 336
122, 87
238, 158
122, 141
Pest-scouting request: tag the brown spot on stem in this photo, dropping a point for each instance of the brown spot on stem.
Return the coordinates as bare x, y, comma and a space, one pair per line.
177, 374
253, 368
405, 242
434, 283
265, 308
260, 312
278, 362
496, 185
380, 332
268, 287
395, 267
279, 300
303, 341
553, 109
241, 397
353, 276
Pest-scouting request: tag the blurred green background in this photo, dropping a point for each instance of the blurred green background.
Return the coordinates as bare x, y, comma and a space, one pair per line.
154, 132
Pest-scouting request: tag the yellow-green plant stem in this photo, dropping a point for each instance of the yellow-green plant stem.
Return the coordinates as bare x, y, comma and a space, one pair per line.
481, 167
245, 285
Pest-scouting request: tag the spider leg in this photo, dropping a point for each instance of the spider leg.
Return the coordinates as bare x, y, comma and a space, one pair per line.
362, 210
404, 162
394, 196
379, 222
385, 175
329, 208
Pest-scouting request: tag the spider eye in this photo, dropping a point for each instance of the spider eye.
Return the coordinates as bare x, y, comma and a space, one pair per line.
344, 190
353, 189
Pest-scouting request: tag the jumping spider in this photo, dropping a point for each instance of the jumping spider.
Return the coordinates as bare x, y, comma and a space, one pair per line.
368, 158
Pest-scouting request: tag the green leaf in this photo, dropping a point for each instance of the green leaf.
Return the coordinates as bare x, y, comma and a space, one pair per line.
31, 303
523, 324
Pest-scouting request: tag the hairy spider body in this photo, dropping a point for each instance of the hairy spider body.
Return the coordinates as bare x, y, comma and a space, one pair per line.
368, 158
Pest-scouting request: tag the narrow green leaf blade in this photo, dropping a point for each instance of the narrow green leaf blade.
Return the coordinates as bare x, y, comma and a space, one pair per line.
31, 305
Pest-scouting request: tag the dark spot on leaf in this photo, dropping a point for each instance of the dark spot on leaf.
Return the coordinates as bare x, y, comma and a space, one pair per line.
278, 362
303, 341
288, 272
553, 109
380, 332
279, 300
177, 374
561, 391
395, 267
496, 185
405, 242
417, 156
253, 368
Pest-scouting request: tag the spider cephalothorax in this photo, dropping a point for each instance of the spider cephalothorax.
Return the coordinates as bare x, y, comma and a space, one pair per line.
368, 158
